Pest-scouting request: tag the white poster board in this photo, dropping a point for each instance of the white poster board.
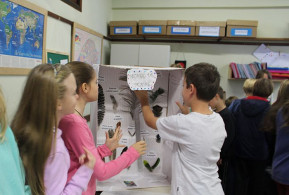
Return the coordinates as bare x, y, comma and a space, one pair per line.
117, 103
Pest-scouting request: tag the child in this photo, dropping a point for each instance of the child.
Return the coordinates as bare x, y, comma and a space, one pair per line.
77, 133
197, 136
251, 143
49, 94
280, 168
12, 178
269, 126
230, 99
263, 74
248, 90
225, 162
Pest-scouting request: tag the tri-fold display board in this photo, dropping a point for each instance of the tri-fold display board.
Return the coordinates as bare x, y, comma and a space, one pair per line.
118, 103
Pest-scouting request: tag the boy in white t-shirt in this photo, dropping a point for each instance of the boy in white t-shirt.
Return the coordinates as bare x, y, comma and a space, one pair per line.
197, 136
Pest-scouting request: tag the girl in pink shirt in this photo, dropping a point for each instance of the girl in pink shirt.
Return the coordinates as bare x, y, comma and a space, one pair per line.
49, 94
76, 132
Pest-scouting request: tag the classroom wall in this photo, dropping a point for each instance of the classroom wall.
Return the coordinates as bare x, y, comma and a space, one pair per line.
273, 17
95, 15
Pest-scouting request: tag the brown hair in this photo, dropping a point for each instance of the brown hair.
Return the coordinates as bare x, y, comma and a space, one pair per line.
260, 74
3, 117
263, 88
35, 119
206, 79
229, 100
82, 71
269, 123
221, 92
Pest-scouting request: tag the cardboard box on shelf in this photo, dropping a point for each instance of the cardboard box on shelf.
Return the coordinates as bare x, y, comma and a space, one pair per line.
152, 27
241, 28
210, 28
123, 28
118, 103
181, 27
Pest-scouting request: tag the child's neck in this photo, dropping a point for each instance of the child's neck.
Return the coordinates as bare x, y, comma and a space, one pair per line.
80, 106
201, 107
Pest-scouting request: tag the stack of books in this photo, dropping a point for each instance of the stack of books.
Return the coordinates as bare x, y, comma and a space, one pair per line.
279, 73
246, 71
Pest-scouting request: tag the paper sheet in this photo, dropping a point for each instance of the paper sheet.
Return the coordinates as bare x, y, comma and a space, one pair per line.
272, 58
140, 79
282, 61
261, 52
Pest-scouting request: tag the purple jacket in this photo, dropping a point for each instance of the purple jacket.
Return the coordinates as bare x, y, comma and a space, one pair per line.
56, 171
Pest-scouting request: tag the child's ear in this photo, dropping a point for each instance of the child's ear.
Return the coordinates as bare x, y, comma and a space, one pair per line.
84, 87
192, 88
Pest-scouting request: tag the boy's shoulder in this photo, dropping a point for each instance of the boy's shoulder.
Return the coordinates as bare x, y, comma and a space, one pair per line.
193, 117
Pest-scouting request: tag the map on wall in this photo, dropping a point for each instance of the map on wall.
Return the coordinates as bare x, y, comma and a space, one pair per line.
87, 47
21, 34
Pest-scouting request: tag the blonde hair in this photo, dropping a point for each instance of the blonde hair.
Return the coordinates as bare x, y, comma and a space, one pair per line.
3, 117
36, 118
248, 86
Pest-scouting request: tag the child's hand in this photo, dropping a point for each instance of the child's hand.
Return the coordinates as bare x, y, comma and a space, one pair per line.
112, 143
184, 109
140, 147
87, 159
142, 96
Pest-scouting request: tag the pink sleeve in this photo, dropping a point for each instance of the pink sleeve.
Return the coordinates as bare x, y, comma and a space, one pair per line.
55, 176
103, 151
103, 171
78, 137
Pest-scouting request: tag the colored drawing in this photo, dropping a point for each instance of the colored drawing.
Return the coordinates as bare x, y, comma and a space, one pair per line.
87, 45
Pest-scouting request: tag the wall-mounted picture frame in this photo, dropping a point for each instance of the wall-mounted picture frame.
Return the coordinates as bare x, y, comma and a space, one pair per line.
77, 4
56, 57
86, 45
22, 36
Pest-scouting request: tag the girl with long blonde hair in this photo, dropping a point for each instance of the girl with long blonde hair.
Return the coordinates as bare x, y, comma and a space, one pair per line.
49, 94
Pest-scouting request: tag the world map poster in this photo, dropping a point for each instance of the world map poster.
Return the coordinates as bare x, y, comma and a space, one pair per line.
21, 36
87, 47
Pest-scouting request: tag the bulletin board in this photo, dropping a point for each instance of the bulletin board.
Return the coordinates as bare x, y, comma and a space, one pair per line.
56, 57
86, 45
22, 37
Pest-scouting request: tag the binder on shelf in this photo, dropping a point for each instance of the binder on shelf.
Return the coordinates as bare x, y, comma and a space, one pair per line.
246, 71
234, 69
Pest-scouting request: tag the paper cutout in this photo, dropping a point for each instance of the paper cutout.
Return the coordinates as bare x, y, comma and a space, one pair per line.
140, 79
272, 58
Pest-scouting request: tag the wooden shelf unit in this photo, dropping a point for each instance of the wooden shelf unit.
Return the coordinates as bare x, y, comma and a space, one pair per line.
197, 39
231, 77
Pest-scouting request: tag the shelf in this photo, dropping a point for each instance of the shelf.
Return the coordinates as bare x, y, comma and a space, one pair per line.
231, 78
273, 80
195, 39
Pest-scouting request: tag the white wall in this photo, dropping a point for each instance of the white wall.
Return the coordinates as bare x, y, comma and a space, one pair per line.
95, 15
273, 17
